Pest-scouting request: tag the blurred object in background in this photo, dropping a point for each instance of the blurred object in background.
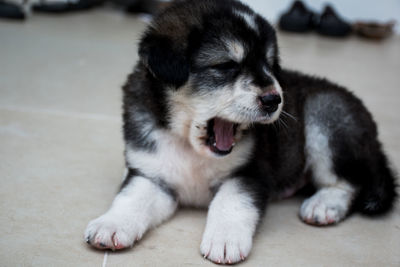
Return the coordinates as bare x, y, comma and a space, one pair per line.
137, 6
19, 9
331, 24
62, 6
374, 30
150, 7
13, 9
131, 6
300, 18
350, 11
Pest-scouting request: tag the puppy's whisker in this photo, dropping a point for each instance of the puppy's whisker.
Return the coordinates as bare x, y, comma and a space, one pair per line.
283, 122
287, 114
283, 125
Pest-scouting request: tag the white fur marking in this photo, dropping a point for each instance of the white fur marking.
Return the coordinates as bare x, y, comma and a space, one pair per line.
332, 201
236, 49
249, 18
138, 207
231, 223
190, 173
319, 155
329, 205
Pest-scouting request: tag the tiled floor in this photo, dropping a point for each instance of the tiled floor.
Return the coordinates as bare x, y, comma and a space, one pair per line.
61, 150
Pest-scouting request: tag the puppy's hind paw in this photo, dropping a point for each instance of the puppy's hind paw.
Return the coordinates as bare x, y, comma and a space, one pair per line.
327, 206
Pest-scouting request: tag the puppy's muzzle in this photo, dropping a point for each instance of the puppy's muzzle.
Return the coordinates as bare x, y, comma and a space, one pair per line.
269, 101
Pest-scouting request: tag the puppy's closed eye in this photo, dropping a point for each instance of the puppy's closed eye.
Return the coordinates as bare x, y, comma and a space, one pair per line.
228, 65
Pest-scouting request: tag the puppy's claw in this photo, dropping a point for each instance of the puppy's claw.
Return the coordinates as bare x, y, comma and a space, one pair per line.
206, 255
114, 240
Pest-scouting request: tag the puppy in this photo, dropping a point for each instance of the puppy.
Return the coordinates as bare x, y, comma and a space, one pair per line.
211, 120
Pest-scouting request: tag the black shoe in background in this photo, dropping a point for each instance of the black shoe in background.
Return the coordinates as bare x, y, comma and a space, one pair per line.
331, 24
11, 11
298, 19
65, 6
150, 7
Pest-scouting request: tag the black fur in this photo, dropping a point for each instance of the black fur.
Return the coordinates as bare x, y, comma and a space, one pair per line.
165, 61
143, 99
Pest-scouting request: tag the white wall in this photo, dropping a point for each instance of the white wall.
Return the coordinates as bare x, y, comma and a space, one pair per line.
380, 10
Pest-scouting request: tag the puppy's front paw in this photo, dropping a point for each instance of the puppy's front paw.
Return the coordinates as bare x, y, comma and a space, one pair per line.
226, 243
112, 232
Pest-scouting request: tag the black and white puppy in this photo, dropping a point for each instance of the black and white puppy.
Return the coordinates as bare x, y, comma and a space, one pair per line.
210, 119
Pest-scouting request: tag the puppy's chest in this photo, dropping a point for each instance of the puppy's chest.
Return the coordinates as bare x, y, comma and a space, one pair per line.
191, 175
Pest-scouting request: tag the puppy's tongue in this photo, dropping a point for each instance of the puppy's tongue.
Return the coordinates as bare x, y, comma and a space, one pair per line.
223, 131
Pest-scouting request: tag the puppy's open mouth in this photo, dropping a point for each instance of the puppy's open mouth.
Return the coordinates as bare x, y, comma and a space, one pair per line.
221, 136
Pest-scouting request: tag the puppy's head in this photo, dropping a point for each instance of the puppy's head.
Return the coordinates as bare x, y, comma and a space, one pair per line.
218, 62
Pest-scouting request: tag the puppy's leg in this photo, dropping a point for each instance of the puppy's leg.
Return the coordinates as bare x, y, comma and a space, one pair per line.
231, 223
333, 199
346, 159
140, 205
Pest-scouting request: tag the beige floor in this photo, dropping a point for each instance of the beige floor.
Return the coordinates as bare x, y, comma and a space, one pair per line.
61, 150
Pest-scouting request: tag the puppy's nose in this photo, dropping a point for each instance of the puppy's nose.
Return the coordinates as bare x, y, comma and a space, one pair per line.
270, 100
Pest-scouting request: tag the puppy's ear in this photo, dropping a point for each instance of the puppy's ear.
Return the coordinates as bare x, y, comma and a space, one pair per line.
166, 61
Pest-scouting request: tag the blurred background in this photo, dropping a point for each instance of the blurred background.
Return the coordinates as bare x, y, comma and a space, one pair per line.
366, 10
